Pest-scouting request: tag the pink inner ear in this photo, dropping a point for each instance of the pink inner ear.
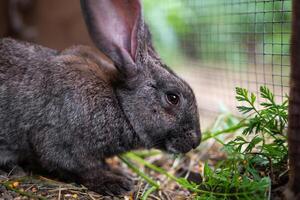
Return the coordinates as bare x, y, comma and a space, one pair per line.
118, 21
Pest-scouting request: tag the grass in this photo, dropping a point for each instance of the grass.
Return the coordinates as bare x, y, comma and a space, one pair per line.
256, 153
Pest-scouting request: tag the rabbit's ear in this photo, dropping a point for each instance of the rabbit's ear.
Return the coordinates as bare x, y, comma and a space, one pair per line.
113, 26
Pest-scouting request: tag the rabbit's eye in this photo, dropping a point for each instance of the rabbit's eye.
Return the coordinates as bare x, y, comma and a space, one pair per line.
172, 98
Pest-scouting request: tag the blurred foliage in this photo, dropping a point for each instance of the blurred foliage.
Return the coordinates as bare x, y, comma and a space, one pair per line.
250, 31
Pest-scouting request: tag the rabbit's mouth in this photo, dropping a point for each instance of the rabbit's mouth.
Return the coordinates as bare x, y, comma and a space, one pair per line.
178, 145
183, 144
173, 148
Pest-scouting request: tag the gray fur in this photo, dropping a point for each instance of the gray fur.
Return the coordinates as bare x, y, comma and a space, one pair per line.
67, 111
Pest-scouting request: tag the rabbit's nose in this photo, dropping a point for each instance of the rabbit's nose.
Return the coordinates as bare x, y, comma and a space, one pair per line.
196, 139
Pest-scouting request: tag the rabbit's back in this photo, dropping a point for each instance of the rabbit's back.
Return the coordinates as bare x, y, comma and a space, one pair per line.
46, 98
14, 52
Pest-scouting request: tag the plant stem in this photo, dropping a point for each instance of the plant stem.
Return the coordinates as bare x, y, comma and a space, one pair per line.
209, 135
148, 192
125, 159
132, 156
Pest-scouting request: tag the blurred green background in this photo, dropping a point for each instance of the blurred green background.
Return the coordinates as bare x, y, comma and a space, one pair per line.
221, 30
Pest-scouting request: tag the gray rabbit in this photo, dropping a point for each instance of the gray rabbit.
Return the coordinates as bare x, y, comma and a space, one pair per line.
65, 112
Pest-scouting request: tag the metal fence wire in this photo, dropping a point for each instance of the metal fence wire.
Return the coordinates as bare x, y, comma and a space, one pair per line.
231, 43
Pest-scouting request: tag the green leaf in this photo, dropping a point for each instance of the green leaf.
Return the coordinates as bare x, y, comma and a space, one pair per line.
242, 94
266, 94
256, 140
244, 109
207, 170
253, 98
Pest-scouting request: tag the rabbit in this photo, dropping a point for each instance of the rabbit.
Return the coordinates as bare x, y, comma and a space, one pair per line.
66, 111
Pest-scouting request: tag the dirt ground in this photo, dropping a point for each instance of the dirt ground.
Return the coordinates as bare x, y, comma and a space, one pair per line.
40, 187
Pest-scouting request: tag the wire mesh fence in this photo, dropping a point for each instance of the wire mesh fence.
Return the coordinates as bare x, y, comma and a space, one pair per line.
226, 44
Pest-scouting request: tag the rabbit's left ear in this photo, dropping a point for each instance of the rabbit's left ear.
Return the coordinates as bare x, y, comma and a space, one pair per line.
114, 26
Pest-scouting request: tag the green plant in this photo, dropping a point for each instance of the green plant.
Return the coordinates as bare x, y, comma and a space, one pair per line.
255, 156
266, 125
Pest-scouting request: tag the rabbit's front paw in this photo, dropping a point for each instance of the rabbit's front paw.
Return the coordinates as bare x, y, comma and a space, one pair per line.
110, 184
118, 185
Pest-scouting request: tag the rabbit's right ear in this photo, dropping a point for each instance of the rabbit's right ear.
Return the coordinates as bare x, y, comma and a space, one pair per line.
113, 26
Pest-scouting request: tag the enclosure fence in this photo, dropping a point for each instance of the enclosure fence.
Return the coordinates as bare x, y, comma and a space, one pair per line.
231, 43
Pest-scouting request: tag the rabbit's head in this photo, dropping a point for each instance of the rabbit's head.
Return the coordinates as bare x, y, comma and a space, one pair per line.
159, 105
